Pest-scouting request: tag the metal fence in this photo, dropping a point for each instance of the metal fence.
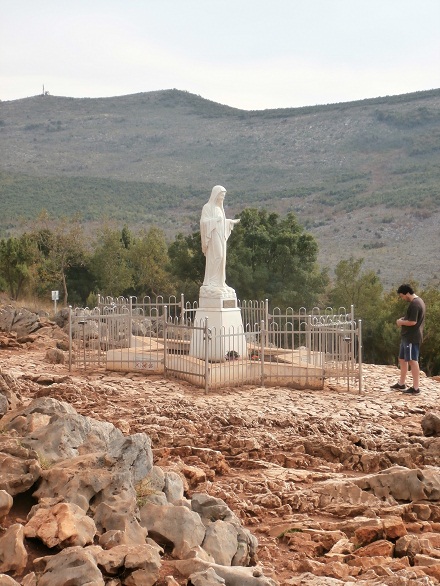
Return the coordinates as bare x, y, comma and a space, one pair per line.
273, 347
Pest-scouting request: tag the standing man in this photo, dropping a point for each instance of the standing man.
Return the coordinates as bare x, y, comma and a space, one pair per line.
410, 339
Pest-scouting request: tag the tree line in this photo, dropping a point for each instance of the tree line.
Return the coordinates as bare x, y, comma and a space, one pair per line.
269, 257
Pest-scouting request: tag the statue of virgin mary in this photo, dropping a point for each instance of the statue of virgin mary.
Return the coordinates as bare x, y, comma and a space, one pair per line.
215, 230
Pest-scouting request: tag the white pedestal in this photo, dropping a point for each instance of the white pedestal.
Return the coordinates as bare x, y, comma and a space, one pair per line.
226, 333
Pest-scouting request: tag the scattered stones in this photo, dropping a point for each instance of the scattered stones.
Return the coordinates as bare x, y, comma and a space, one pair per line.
349, 497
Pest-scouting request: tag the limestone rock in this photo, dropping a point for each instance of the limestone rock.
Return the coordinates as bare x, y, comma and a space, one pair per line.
4, 405
221, 542
55, 356
30, 580
121, 516
407, 546
382, 548
6, 502
114, 537
173, 524
9, 390
23, 420
7, 581
13, 554
399, 484
206, 578
61, 525
99, 485
431, 424
233, 576
393, 528
74, 565
141, 562
67, 435
211, 510
22, 321
173, 487
79, 480
170, 581
19, 466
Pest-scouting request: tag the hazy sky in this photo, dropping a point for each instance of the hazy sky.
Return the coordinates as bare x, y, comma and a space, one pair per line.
250, 54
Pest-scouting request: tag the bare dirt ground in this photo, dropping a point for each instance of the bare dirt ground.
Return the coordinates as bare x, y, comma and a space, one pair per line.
257, 448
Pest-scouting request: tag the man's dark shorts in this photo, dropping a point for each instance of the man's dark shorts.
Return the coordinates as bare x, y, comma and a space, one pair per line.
409, 351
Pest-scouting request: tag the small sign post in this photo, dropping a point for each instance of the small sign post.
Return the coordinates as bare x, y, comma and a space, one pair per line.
55, 297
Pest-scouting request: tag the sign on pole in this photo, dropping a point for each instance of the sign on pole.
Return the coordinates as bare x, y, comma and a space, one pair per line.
55, 297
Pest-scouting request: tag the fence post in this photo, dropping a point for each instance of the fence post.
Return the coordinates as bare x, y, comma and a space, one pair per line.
206, 340
70, 338
99, 337
263, 339
130, 322
182, 308
165, 335
360, 358
309, 340
83, 323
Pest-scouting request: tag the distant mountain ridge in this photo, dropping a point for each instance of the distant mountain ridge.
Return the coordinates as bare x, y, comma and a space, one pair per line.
363, 177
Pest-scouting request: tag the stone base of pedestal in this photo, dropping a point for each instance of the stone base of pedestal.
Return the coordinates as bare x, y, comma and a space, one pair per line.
226, 338
132, 359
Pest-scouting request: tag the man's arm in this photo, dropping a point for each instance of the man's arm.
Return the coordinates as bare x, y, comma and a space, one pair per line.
405, 322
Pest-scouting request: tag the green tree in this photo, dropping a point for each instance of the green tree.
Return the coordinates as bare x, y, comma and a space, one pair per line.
384, 347
109, 263
268, 256
429, 351
187, 264
80, 283
363, 290
17, 259
61, 243
354, 286
273, 257
149, 260
126, 237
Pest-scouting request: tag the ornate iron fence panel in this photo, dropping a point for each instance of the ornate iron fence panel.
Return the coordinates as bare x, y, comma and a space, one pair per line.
286, 348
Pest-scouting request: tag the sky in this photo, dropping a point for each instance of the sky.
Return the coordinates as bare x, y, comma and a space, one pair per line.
248, 54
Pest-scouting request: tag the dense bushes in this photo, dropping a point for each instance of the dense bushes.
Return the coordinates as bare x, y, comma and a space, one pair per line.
269, 257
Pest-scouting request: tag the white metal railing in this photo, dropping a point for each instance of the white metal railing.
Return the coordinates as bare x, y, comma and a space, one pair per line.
299, 349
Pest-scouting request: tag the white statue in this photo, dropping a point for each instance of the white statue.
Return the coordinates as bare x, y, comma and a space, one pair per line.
215, 230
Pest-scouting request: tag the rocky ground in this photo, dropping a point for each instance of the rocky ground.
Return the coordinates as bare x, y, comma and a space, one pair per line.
338, 487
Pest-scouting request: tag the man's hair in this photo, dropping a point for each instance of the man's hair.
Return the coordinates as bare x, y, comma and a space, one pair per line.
404, 289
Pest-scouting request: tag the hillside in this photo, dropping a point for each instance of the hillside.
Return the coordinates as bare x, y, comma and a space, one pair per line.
363, 177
